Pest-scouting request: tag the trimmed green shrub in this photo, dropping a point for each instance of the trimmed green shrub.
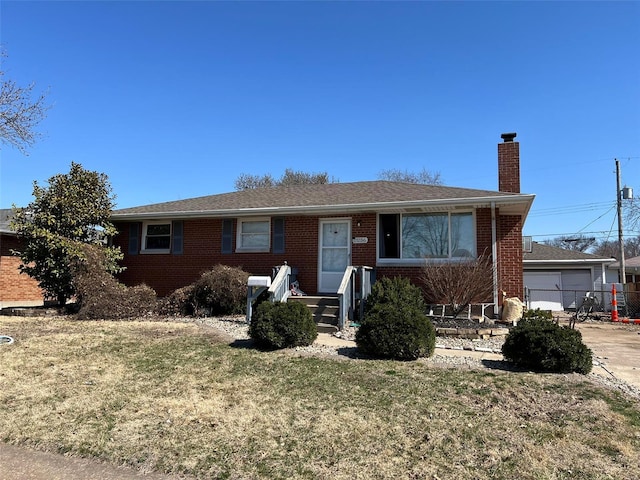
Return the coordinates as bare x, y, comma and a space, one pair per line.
396, 332
395, 324
537, 313
276, 325
396, 291
541, 345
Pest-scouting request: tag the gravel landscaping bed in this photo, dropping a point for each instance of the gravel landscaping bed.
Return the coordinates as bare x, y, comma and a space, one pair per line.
237, 328
464, 323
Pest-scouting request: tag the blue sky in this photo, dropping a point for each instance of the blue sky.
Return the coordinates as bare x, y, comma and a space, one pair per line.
175, 100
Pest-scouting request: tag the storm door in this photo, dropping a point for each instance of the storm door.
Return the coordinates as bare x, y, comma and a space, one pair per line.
334, 253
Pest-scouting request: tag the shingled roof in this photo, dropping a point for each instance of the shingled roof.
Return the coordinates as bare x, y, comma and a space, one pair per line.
5, 219
541, 252
330, 198
633, 262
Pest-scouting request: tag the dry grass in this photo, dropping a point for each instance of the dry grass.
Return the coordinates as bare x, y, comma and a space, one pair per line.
175, 397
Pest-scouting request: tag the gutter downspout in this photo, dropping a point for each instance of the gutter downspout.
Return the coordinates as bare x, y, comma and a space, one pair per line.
494, 255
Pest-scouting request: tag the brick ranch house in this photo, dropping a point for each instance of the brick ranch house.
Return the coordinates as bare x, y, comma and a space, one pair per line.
16, 289
320, 230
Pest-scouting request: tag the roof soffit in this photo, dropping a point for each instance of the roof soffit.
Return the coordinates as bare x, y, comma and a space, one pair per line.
507, 207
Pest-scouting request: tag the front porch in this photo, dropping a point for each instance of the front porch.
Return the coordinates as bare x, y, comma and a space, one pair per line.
331, 312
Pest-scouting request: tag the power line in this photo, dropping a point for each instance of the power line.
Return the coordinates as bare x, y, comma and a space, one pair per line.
592, 222
561, 210
601, 235
554, 164
568, 234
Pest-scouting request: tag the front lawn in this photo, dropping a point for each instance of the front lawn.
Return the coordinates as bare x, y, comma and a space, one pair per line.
175, 397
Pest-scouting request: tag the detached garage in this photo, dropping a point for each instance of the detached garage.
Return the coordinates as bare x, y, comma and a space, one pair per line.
556, 279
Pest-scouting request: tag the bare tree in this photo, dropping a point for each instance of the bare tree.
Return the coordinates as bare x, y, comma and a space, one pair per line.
611, 248
248, 181
632, 247
458, 284
607, 249
19, 113
631, 209
577, 243
423, 176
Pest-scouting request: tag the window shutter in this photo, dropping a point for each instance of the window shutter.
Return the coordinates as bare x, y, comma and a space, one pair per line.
134, 238
177, 239
227, 236
278, 235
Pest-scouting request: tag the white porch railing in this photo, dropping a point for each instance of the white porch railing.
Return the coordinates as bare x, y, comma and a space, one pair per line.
355, 285
278, 288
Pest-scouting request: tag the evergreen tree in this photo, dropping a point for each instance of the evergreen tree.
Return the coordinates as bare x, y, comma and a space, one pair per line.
73, 210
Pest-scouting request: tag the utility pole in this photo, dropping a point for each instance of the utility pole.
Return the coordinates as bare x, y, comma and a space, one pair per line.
623, 273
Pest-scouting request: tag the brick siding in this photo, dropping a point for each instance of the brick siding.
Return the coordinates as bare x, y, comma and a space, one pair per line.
510, 278
509, 167
509, 227
509, 238
202, 250
16, 288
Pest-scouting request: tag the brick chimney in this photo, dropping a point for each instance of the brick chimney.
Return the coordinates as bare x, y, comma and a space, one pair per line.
509, 164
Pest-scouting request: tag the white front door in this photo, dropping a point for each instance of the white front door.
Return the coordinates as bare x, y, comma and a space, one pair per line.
335, 253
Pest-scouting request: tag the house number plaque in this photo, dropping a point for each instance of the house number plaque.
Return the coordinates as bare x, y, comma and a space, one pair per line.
360, 240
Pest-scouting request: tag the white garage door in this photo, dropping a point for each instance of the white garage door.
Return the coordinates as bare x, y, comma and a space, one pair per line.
575, 284
544, 290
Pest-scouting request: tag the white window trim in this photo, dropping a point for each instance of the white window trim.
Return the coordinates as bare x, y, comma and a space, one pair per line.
240, 248
404, 262
143, 241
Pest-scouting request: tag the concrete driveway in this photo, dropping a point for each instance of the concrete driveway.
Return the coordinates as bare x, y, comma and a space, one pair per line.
616, 347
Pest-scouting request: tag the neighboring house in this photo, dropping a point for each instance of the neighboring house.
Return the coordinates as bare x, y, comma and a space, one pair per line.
556, 278
16, 288
632, 282
631, 270
319, 230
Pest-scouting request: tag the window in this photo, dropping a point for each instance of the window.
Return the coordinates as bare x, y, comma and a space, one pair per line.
253, 235
156, 237
432, 235
134, 238
278, 235
227, 236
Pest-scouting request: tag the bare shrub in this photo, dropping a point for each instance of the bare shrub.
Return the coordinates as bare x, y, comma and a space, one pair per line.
459, 283
101, 296
179, 302
219, 291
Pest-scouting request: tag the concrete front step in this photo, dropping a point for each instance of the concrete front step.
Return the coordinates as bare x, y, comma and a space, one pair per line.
325, 310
